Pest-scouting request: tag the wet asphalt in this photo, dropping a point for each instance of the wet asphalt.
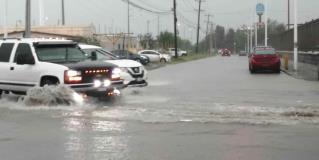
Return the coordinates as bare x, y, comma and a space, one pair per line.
206, 109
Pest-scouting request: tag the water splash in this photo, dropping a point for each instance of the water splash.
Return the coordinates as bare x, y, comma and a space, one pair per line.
51, 96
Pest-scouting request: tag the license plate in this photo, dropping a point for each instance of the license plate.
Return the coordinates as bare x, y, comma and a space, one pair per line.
101, 89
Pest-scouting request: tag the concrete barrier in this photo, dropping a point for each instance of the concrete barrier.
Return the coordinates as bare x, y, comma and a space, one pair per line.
308, 64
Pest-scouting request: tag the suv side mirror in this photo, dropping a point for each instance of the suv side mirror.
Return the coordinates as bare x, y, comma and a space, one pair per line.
93, 56
25, 59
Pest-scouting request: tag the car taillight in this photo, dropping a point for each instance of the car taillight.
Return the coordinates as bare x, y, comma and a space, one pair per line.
71, 77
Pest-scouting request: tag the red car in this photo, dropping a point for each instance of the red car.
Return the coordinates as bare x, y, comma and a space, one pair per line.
226, 52
264, 58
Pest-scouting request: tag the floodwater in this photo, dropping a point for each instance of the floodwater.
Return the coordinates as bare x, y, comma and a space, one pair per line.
202, 103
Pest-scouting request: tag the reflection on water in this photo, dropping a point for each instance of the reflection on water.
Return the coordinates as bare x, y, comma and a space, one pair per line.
94, 138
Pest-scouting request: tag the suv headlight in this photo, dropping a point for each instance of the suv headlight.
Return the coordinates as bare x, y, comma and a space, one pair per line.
124, 69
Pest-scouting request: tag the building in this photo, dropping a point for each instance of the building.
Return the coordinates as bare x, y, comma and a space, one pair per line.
76, 33
119, 41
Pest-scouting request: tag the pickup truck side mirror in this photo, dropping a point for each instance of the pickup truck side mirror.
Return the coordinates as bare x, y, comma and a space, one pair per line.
23, 58
93, 56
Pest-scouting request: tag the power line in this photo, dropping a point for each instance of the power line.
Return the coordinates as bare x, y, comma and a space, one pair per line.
145, 9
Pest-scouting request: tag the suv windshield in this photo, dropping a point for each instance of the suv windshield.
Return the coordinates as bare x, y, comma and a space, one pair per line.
60, 54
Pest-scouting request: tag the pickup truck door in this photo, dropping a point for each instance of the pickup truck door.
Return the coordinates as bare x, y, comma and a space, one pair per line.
25, 75
6, 50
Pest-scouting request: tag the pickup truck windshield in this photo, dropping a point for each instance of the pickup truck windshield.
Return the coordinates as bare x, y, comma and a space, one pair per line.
60, 54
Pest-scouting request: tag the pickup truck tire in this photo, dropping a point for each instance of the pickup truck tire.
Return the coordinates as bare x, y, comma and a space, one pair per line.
49, 81
0, 93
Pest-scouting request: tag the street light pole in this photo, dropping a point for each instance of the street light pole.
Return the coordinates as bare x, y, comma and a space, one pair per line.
27, 33
296, 36
266, 23
63, 13
5, 31
288, 14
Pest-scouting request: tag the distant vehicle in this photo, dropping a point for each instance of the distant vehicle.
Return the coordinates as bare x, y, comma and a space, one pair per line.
133, 72
155, 56
125, 54
225, 52
264, 58
242, 53
179, 52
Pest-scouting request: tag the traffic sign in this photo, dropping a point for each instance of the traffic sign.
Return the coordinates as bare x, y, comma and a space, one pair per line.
260, 8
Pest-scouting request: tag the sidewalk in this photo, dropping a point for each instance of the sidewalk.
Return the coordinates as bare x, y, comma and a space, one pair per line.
305, 71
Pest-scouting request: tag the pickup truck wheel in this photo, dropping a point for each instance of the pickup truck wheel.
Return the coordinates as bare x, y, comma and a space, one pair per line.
49, 82
0, 93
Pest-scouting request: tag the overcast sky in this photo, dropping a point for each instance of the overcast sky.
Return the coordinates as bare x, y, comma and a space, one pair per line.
111, 15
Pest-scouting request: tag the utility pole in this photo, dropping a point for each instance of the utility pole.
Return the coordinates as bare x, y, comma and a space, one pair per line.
251, 39
27, 33
148, 34
208, 22
198, 24
296, 36
288, 14
211, 38
248, 40
128, 24
5, 14
63, 13
175, 30
158, 25
128, 16
207, 32
148, 26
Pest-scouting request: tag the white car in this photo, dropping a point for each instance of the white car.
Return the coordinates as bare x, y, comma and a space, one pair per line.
155, 56
133, 73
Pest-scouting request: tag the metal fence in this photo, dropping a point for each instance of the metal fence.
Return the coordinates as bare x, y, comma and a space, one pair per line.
308, 38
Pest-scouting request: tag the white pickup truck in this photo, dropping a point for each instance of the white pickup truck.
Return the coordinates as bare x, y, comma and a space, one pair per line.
26, 63
179, 52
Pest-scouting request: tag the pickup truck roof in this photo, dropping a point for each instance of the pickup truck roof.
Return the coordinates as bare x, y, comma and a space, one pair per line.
37, 40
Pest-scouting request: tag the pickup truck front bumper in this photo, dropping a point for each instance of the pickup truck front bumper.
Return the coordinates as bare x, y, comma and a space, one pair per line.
90, 89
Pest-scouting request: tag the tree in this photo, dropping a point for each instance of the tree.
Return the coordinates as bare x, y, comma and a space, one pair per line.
147, 41
230, 39
89, 40
220, 36
274, 28
241, 40
165, 39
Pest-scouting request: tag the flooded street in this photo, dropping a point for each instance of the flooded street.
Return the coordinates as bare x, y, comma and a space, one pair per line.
206, 109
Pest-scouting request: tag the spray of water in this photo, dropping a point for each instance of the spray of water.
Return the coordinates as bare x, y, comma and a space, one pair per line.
51, 96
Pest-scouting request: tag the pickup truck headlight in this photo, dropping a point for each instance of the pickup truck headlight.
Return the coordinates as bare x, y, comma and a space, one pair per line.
72, 76
116, 74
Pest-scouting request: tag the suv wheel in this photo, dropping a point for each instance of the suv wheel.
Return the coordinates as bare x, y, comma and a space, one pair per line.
163, 60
